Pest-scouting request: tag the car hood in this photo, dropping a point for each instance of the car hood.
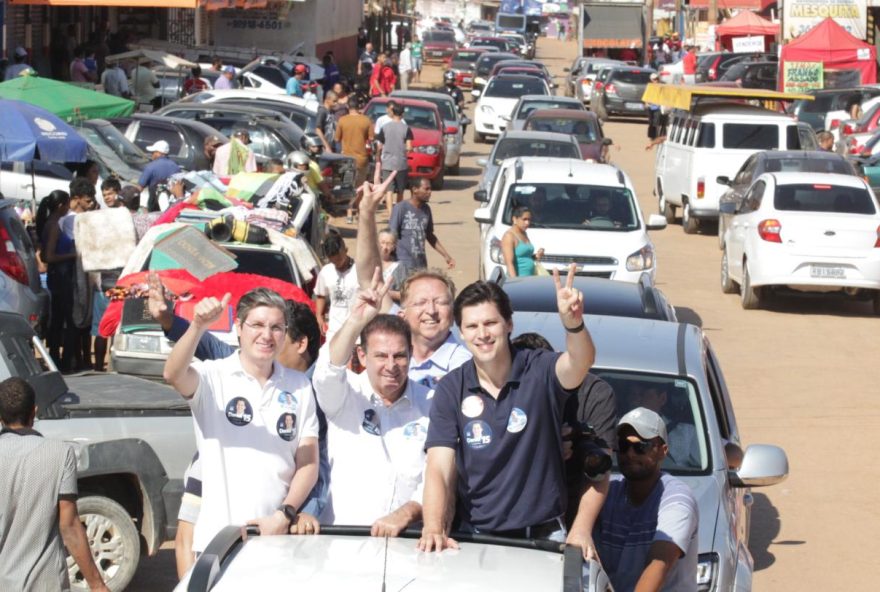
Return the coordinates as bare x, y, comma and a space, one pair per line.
501, 105
600, 243
708, 496
101, 390
334, 562
424, 137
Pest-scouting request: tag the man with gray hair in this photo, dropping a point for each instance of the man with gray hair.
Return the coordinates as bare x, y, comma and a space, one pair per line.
256, 469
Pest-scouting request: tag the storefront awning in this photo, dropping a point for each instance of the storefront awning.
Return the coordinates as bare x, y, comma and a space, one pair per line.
130, 3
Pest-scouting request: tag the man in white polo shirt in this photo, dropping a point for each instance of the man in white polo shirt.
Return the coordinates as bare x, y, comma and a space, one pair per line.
257, 445
377, 421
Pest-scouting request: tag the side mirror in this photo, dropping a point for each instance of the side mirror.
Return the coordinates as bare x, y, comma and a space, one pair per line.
566, 69
656, 222
762, 465
723, 180
465, 120
727, 207
505, 117
475, 93
481, 215
554, 85
482, 162
481, 195
607, 141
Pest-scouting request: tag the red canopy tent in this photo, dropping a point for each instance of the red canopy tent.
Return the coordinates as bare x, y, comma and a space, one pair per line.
746, 24
838, 51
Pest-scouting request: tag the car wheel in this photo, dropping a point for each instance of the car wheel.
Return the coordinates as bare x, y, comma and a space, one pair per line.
688, 222
749, 297
437, 182
114, 543
728, 286
479, 138
665, 208
455, 169
877, 302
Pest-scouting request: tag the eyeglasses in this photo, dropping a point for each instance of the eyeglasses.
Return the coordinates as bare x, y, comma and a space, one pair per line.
260, 327
640, 447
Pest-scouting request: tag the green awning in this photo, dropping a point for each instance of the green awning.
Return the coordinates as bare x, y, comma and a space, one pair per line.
68, 101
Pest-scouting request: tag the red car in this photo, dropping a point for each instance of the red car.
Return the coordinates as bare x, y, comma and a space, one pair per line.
462, 63
429, 148
438, 45
583, 125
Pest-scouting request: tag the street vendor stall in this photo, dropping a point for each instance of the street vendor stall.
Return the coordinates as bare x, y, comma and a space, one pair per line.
68, 101
746, 33
827, 56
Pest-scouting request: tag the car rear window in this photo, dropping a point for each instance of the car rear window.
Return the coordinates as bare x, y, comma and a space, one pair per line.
631, 76
439, 37
513, 89
584, 130
548, 104
808, 165
509, 148
807, 197
466, 56
751, 136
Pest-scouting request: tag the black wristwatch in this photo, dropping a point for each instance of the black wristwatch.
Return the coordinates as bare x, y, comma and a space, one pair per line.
289, 513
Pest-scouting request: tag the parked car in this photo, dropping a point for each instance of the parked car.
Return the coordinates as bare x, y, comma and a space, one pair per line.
119, 156
185, 137
483, 69
496, 104
582, 212
499, 43
20, 288
523, 46
753, 74
171, 82
621, 93
775, 161
199, 111
806, 232
529, 103
453, 123
438, 45
498, 67
713, 65
602, 73
142, 350
867, 161
583, 125
462, 63
301, 112
583, 71
512, 144
824, 101
428, 156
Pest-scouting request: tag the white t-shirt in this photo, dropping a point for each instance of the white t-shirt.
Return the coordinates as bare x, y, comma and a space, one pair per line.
376, 452
339, 289
247, 437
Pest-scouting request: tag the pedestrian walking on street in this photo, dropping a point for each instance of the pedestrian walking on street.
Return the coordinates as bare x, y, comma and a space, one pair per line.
405, 66
416, 52
79, 72
395, 140
412, 222
353, 133
336, 286
38, 516
325, 123
520, 255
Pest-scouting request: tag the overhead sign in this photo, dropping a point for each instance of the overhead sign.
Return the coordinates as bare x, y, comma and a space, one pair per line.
748, 44
802, 76
799, 16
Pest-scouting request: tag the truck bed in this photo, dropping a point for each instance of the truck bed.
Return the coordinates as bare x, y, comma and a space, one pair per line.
118, 394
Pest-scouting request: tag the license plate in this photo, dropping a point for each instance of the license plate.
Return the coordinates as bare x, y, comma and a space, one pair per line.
437, 53
827, 271
635, 106
467, 79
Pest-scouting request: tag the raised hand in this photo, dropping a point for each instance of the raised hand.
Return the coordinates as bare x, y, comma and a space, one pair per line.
374, 192
156, 301
368, 303
569, 299
208, 310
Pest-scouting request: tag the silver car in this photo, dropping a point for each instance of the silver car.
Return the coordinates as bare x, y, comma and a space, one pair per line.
512, 144
716, 465
20, 287
529, 103
453, 122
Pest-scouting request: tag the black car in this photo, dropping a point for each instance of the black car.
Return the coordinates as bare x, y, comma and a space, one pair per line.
199, 111
761, 75
304, 117
185, 137
813, 112
621, 92
484, 66
776, 161
712, 66
607, 297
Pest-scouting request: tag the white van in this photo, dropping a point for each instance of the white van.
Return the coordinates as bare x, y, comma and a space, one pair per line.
712, 140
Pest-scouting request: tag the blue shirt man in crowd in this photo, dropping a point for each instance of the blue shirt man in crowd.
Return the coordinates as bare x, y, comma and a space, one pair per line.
161, 166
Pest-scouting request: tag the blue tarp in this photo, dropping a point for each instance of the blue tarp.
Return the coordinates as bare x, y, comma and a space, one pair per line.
28, 132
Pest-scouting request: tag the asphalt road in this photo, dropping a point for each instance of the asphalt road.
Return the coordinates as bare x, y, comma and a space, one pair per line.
802, 376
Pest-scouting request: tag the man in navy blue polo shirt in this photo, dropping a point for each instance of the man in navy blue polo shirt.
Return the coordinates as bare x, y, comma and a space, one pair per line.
496, 419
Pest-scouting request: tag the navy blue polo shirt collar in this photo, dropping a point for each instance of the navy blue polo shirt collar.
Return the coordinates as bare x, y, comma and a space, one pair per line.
472, 381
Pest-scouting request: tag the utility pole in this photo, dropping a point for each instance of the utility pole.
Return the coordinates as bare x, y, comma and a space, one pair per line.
580, 31
648, 31
713, 14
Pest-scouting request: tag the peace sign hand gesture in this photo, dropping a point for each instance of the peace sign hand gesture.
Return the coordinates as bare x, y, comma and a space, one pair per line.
368, 303
373, 193
569, 299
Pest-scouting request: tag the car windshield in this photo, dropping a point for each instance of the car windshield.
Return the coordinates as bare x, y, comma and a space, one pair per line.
529, 106
486, 62
677, 402
574, 206
585, 130
513, 89
465, 58
439, 37
108, 160
594, 67
632, 76
511, 148
751, 136
816, 197
446, 108
735, 72
417, 117
122, 146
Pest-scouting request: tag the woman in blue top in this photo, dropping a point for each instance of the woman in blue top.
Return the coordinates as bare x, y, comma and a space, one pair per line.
519, 253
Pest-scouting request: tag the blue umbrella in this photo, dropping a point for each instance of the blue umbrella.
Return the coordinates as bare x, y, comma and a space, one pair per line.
30, 133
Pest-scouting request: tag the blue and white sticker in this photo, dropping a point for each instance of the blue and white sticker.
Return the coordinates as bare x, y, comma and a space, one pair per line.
371, 422
472, 406
415, 430
478, 434
239, 412
286, 426
287, 400
517, 420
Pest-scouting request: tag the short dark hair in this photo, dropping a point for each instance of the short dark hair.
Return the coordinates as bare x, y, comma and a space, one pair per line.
520, 211
478, 293
82, 169
17, 400
113, 184
386, 323
531, 341
355, 103
397, 110
81, 186
196, 71
302, 322
333, 244
130, 197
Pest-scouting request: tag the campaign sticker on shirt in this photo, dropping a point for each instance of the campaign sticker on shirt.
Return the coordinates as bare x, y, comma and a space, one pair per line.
415, 430
472, 406
517, 420
429, 381
239, 412
286, 426
371, 422
287, 400
478, 434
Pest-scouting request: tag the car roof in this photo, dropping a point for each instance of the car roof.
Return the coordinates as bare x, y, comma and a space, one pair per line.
801, 154
544, 169
519, 77
536, 135
563, 114
800, 178
426, 95
558, 98
738, 109
606, 297
636, 68
404, 101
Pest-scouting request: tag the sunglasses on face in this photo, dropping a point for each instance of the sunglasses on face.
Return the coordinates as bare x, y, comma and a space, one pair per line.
640, 447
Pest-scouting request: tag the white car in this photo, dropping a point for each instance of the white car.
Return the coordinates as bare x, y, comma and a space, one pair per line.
810, 232
582, 212
496, 103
